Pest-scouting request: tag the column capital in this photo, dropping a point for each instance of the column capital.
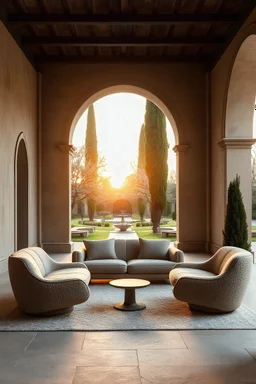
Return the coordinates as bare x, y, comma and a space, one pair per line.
234, 143
67, 148
180, 148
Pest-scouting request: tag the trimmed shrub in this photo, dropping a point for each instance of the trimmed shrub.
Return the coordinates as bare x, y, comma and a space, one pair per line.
236, 229
107, 225
138, 224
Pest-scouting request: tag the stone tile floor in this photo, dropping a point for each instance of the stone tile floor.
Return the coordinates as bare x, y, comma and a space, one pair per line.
132, 357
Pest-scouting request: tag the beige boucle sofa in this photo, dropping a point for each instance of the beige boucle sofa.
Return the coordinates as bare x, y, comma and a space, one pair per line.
44, 286
217, 285
127, 264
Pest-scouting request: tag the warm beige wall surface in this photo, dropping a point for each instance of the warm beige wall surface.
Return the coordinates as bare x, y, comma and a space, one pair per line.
66, 87
223, 159
18, 113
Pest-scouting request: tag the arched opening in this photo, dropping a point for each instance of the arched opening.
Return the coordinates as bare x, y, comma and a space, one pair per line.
21, 197
123, 90
239, 136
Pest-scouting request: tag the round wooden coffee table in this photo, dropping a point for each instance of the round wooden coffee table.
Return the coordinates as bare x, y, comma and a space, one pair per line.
129, 286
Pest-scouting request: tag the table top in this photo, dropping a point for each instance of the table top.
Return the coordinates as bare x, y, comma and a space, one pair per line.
129, 283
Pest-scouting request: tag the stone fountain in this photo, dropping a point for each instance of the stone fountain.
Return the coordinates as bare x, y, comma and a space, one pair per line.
123, 225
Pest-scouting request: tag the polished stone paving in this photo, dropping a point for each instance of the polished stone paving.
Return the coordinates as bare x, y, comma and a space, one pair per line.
131, 357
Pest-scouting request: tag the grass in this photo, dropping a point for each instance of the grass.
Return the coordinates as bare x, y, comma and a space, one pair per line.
100, 233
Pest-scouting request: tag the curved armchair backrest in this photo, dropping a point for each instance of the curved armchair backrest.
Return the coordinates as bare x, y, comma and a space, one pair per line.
220, 260
36, 260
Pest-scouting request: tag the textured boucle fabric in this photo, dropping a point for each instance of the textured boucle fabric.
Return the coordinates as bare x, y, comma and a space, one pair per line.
128, 264
224, 290
42, 285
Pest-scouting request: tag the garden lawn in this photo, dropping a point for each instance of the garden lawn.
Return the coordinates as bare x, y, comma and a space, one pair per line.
100, 233
146, 233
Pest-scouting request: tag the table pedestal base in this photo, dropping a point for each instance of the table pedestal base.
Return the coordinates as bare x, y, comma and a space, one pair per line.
129, 303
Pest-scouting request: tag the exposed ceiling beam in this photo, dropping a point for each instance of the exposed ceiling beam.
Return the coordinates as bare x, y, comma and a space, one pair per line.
123, 19
123, 59
121, 41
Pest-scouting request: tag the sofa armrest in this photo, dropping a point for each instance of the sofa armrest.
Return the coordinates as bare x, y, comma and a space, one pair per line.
58, 265
78, 255
175, 254
192, 265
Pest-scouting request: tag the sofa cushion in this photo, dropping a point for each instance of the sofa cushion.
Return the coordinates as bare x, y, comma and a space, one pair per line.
154, 249
146, 266
110, 266
177, 273
70, 274
100, 249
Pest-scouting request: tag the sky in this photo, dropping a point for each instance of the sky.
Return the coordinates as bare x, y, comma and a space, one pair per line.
118, 122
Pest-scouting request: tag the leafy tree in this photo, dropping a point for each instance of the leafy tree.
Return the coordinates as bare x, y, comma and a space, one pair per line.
83, 182
236, 230
91, 154
171, 191
156, 154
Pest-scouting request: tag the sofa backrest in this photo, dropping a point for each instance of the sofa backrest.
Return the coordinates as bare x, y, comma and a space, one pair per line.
127, 249
37, 261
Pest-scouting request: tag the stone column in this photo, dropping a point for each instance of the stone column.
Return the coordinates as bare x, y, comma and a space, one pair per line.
56, 209
238, 161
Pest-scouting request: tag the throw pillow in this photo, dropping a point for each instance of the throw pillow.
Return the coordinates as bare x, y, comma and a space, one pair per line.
100, 249
154, 249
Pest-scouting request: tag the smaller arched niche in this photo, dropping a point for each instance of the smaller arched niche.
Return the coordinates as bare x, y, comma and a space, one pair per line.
21, 194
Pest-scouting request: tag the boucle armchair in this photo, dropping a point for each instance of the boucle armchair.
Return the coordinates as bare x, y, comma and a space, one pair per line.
217, 285
44, 286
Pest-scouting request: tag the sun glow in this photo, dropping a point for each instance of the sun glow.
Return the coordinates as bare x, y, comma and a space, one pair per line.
118, 122
117, 180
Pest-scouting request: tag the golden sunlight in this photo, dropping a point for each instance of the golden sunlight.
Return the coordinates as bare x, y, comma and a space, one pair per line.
117, 180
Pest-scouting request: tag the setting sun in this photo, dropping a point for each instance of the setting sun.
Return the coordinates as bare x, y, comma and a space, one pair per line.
118, 122
117, 180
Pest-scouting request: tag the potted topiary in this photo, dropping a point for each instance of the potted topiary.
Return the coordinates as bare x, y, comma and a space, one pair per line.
236, 229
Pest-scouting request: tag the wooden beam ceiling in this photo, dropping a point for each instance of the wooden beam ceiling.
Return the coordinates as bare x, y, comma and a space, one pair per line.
121, 41
122, 19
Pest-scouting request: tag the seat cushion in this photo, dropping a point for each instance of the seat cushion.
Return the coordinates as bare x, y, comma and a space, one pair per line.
110, 266
145, 266
70, 274
177, 273
154, 249
100, 249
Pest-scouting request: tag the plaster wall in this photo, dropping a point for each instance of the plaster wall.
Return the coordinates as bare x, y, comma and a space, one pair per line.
225, 123
66, 87
18, 113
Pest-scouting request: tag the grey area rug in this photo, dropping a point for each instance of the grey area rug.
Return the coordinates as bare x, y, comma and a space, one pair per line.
163, 312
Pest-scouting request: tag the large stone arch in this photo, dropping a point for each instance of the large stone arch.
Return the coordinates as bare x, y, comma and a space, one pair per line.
128, 89
239, 112
69, 89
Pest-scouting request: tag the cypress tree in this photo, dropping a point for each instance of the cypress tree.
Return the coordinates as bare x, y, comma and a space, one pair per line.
156, 154
141, 156
141, 165
236, 229
91, 153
